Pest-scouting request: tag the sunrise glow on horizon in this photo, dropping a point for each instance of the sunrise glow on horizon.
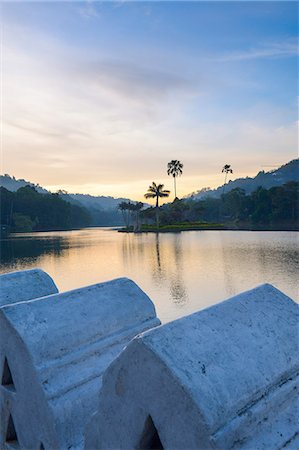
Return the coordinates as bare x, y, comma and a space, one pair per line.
99, 96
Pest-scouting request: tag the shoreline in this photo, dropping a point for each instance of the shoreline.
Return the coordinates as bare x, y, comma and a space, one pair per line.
179, 230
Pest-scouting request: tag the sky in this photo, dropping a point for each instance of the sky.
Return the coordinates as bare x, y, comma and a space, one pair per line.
97, 97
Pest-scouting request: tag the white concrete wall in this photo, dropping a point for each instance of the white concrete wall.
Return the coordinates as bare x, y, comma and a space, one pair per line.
57, 349
25, 285
223, 378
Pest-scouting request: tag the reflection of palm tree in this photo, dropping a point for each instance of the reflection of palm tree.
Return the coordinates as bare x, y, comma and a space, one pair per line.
174, 168
178, 290
226, 169
157, 191
158, 252
159, 270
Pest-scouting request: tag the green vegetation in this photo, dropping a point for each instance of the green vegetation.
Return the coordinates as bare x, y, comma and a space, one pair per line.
275, 208
27, 210
184, 226
131, 213
265, 209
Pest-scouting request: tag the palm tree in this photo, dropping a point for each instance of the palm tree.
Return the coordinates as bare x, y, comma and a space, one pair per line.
226, 169
175, 168
126, 209
137, 208
157, 191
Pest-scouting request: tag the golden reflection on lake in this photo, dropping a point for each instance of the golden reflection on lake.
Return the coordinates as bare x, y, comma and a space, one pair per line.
181, 272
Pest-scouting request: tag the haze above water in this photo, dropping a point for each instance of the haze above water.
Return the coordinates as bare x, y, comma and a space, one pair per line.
181, 272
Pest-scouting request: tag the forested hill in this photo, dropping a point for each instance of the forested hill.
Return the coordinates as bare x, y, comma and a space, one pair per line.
103, 210
276, 208
28, 210
266, 180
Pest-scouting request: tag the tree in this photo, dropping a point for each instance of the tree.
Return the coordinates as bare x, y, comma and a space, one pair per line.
157, 191
174, 168
7, 206
226, 169
23, 223
137, 208
126, 210
26, 210
262, 206
177, 211
234, 203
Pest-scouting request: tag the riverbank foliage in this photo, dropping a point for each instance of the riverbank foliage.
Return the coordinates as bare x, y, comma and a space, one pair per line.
27, 210
275, 208
184, 226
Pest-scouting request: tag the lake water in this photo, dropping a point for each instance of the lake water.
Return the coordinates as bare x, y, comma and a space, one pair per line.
181, 272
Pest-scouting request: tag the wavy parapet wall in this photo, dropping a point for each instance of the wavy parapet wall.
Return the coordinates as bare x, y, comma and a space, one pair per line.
223, 378
25, 285
89, 368
53, 353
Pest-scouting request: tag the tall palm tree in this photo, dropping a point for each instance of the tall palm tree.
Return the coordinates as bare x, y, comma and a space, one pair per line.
157, 191
175, 168
226, 169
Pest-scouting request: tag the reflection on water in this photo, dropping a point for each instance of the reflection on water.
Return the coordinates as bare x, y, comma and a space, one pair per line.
181, 272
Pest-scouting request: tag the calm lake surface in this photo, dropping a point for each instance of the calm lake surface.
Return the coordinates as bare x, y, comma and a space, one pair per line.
181, 272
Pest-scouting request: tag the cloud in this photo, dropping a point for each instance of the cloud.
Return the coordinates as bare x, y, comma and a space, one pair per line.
89, 10
94, 118
273, 50
62, 94
135, 82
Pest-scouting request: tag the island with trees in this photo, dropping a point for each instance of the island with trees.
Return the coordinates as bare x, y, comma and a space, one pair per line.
275, 208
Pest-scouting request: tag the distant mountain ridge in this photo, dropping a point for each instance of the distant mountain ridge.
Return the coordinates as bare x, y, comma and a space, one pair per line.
88, 201
278, 177
103, 210
12, 184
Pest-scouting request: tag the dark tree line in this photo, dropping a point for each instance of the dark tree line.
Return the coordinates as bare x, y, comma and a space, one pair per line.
27, 210
277, 207
131, 214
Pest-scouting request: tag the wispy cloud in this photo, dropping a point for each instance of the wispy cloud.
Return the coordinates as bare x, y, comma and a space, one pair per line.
89, 10
272, 50
137, 82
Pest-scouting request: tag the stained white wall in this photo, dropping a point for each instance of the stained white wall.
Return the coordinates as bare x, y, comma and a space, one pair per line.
25, 285
223, 378
57, 349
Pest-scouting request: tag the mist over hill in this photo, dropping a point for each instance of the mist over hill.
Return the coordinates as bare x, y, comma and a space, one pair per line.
102, 209
278, 177
12, 184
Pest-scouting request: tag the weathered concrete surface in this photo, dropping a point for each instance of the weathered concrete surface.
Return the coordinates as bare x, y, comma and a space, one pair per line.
223, 378
53, 352
25, 285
